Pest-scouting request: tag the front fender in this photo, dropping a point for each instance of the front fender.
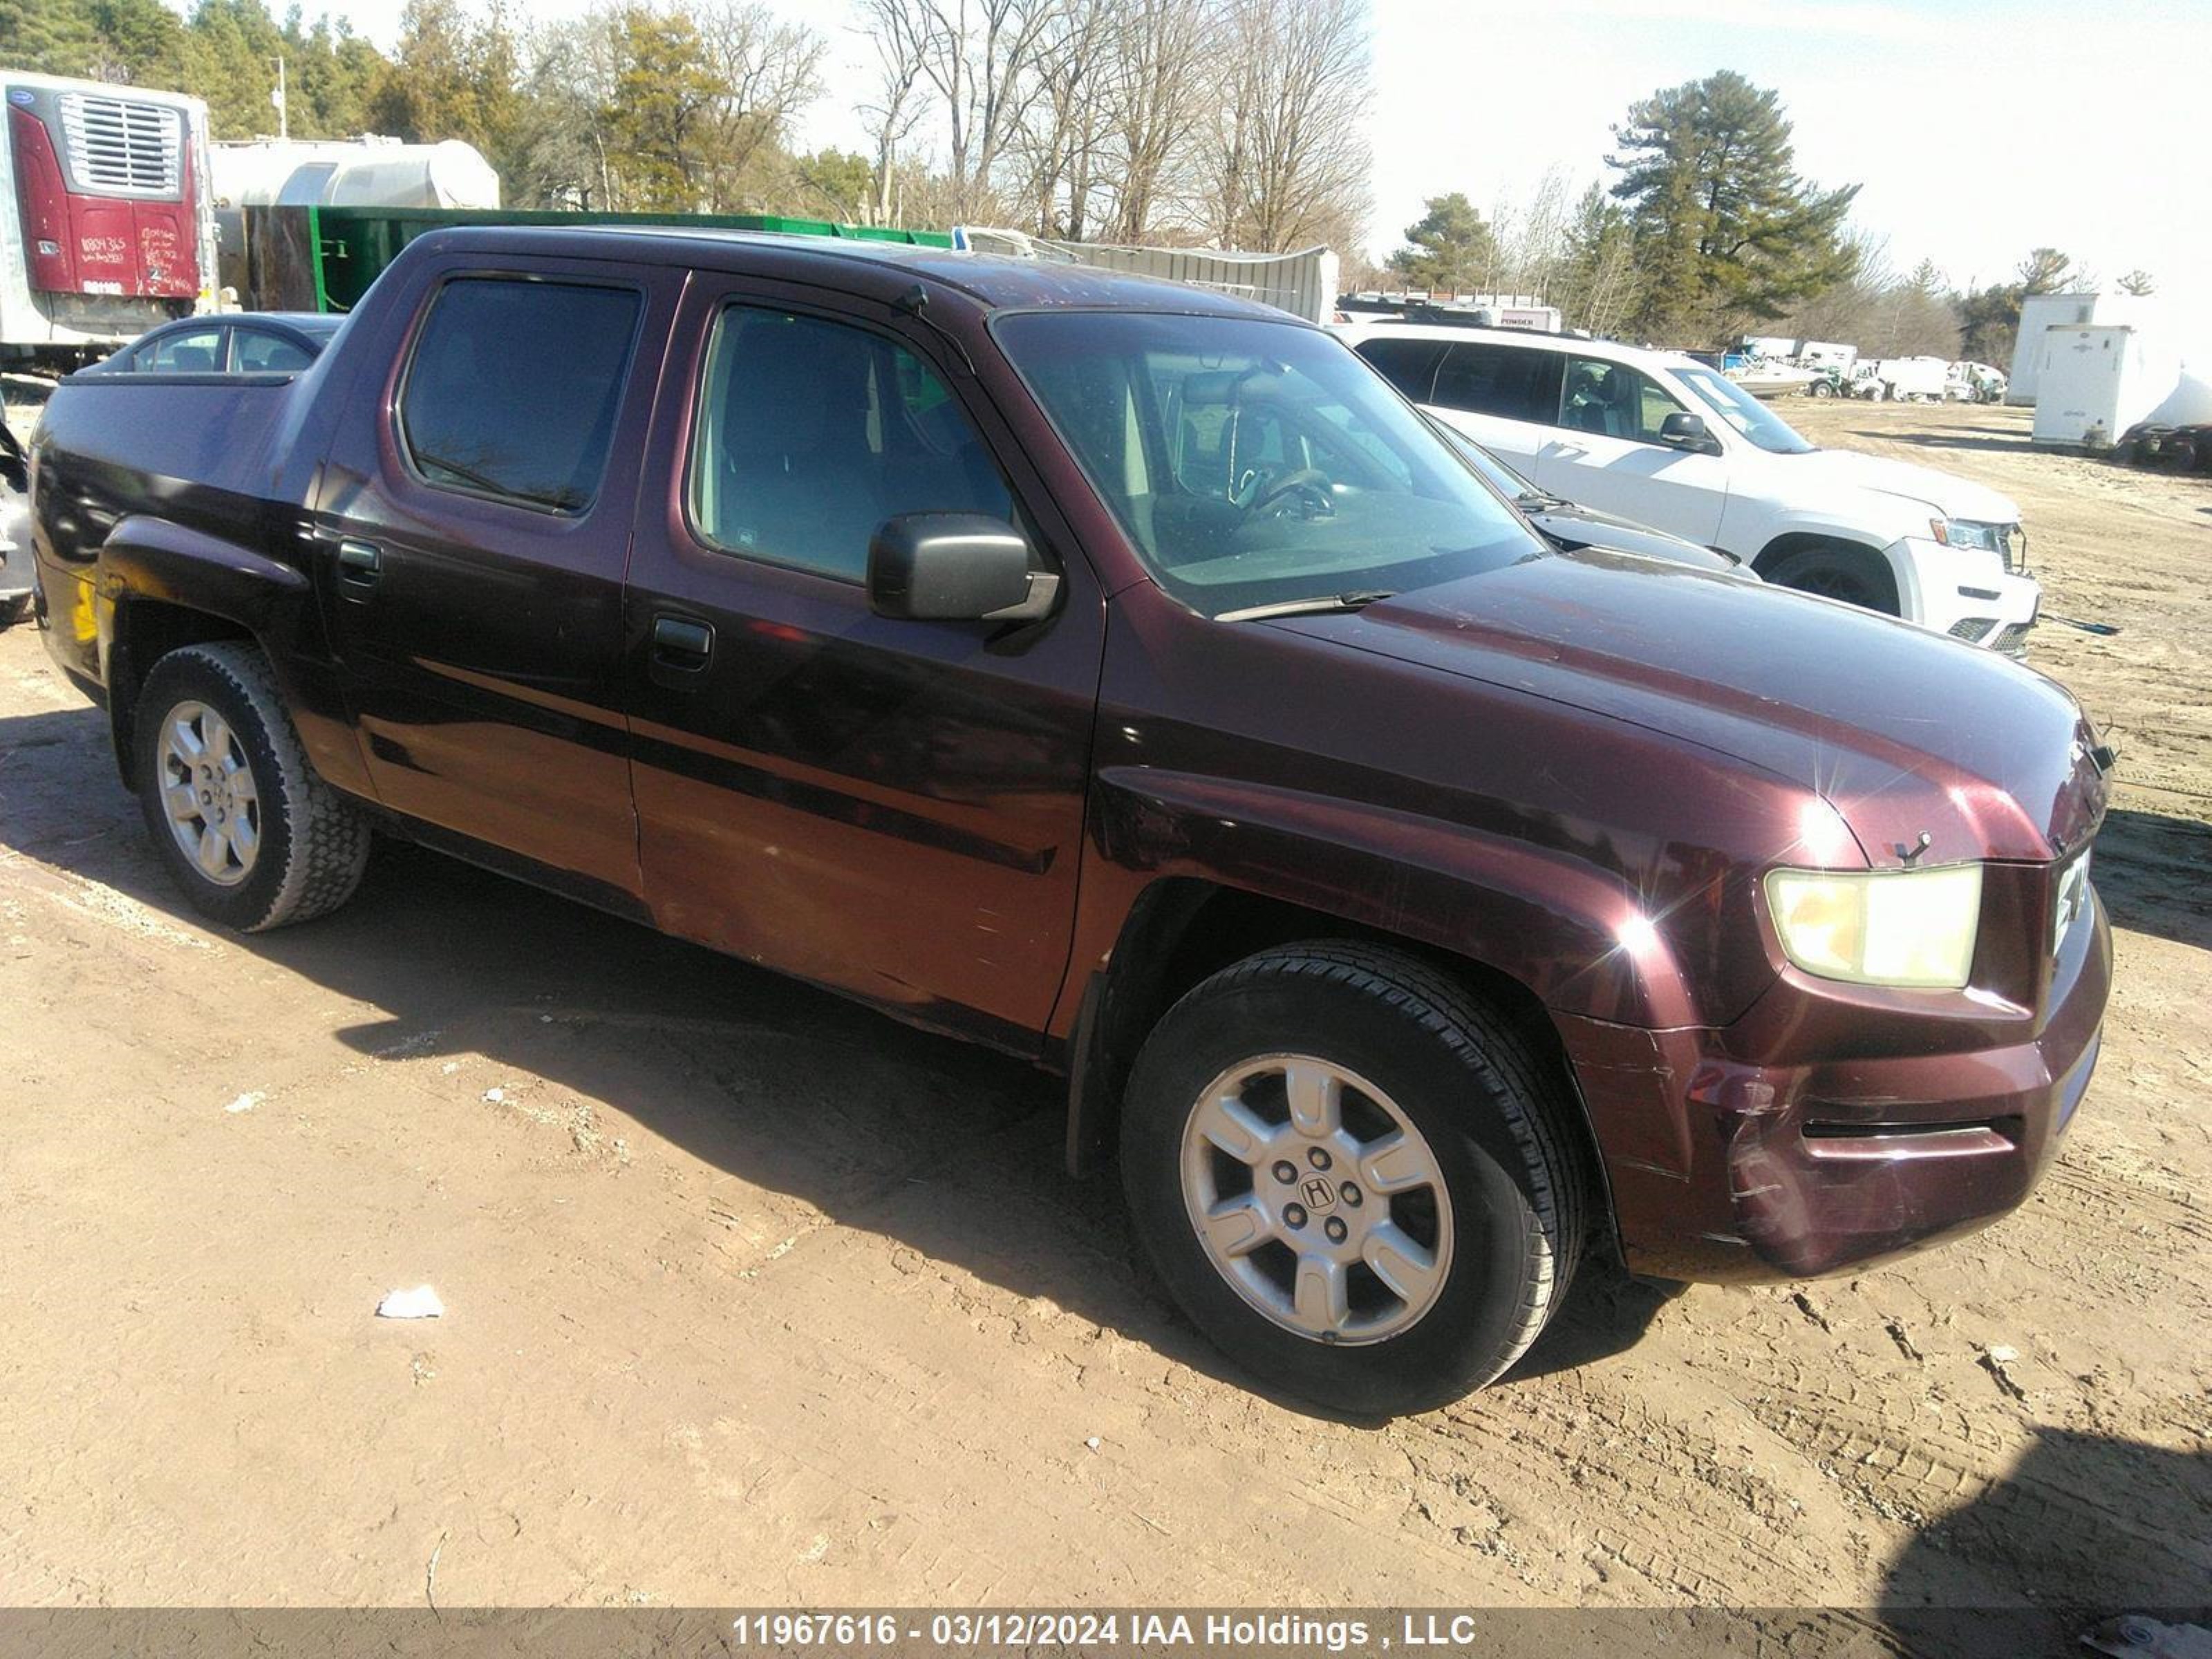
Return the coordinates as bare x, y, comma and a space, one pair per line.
1574, 935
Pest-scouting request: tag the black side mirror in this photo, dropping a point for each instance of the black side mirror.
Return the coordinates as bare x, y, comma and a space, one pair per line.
959, 567
1687, 431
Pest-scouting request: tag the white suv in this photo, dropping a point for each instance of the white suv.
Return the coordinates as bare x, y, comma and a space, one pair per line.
1660, 438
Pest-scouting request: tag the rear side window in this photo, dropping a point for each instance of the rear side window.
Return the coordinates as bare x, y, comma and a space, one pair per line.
263, 353
1514, 383
1409, 365
514, 388
189, 351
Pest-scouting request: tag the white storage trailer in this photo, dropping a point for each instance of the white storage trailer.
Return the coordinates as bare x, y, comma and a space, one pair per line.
2039, 313
2099, 379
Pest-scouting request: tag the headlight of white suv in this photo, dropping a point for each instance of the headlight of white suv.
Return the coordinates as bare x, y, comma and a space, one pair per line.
1903, 928
1968, 533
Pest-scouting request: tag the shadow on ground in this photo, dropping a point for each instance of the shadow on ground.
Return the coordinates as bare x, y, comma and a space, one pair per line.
952, 1150
1973, 437
2155, 875
2077, 1510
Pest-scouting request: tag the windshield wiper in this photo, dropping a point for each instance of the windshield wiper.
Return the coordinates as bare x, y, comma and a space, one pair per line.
1536, 500
1320, 605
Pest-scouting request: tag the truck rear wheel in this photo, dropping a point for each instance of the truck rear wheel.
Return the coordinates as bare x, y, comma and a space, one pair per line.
251, 833
1357, 1180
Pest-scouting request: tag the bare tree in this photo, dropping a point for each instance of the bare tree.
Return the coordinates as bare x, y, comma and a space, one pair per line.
1287, 161
896, 29
1065, 136
769, 72
976, 60
1156, 93
1531, 257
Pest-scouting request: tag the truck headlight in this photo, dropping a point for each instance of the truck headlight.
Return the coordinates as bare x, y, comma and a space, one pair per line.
1968, 533
1905, 928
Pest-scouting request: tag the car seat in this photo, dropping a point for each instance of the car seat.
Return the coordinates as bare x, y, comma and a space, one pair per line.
1595, 405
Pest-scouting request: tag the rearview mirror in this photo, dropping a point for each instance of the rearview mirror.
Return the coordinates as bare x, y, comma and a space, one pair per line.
956, 567
1687, 431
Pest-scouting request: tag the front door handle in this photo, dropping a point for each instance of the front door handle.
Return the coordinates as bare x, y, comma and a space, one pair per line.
360, 563
682, 644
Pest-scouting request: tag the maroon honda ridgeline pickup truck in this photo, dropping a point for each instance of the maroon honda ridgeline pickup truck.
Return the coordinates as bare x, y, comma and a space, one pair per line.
1126, 677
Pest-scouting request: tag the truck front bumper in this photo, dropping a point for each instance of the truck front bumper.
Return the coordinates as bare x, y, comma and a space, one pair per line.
1729, 1165
1968, 594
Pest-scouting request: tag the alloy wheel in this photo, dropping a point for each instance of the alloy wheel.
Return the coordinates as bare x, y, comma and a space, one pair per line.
1315, 1197
209, 796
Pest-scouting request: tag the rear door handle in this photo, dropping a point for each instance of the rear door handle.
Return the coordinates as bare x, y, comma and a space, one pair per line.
360, 563
682, 644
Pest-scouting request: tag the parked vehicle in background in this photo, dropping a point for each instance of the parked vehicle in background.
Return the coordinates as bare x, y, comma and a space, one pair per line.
227, 342
1977, 383
1904, 380
105, 224
1661, 439
17, 581
1122, 675
1569, 527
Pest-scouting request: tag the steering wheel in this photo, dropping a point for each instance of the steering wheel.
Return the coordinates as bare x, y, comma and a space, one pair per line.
1309, 482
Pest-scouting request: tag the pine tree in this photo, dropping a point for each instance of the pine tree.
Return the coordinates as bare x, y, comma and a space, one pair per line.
1450, 250
1726, 232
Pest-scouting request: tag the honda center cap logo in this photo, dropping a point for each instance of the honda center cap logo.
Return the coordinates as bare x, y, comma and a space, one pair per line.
1318, 1193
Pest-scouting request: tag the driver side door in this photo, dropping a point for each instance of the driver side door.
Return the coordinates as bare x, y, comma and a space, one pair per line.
1608, 454
892, 808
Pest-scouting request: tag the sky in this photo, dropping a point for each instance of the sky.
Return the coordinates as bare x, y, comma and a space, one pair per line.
1977, 129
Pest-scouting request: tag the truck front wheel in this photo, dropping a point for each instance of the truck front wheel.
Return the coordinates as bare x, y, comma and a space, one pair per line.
248, 830
1856, 575
1357, 1180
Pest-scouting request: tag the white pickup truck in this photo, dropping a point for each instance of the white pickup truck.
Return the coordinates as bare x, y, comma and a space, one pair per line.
1662, 438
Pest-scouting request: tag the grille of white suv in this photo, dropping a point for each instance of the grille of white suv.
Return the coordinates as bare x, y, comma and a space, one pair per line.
121, 145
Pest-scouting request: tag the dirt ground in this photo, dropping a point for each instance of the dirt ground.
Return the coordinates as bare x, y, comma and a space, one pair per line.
753, 1297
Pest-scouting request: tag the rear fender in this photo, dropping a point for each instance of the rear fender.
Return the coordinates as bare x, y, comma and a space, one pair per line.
150, 558
200, 587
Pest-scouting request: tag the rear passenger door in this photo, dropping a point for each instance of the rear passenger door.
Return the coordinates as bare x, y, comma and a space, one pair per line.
891, 808
472, 526
1609, 454
1503, 397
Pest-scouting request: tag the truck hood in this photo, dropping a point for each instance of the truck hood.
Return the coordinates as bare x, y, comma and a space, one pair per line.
1904, 733
1944, 495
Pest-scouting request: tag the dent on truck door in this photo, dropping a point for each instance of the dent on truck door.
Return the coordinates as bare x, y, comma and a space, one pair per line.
472, 532
893, 808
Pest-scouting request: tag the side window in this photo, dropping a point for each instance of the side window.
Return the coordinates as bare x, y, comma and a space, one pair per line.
812, 433
1409, 365
1614, 401
259, 353
514, 388
188, 351
1515, 383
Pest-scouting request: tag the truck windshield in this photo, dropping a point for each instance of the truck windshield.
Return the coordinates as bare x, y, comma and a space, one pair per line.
1259, 466
1744, 412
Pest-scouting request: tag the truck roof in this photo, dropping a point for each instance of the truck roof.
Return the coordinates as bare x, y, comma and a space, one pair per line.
882, 270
